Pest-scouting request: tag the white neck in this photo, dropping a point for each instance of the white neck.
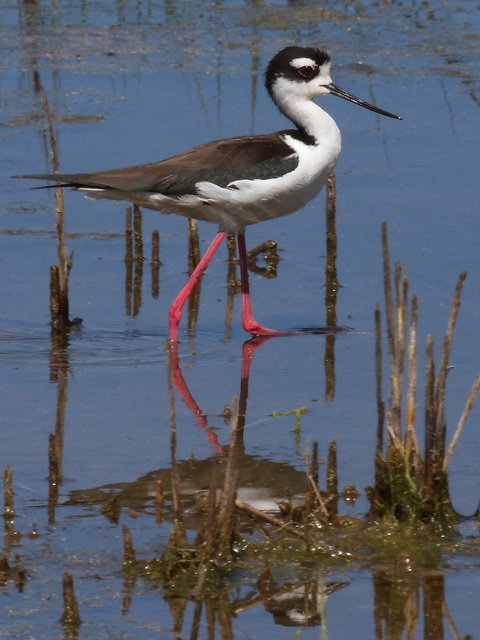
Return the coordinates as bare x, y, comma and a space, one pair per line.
304, 113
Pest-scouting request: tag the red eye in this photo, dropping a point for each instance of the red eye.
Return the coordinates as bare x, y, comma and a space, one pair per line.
306, 72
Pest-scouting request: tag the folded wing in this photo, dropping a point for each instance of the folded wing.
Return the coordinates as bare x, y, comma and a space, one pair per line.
220, 162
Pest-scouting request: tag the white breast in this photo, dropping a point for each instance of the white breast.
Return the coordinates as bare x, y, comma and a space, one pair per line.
246, 202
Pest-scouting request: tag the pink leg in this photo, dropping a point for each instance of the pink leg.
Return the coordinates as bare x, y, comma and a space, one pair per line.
249, 324
177, 305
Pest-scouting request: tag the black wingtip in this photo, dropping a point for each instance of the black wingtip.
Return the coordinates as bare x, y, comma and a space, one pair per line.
57, 182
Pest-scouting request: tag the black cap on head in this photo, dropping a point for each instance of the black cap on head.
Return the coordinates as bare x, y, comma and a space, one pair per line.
280, 63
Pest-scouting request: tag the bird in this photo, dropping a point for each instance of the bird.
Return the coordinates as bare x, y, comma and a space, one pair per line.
238, 181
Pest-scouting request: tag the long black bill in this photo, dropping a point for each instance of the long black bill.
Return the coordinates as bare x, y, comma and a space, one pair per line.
336, 91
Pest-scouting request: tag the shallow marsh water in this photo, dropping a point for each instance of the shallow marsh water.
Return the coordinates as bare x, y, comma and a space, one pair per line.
132, 83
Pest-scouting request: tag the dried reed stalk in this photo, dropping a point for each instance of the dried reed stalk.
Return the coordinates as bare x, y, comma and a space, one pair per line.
194, 257
331, 286
443, 368
332, 479
233, 283
309, 492
9, 509
387, 283
396, 337
461, 423
411, 445
265, 517
60, 321
378, 378
128, 236
314, 466
430, 419
331, 235
321, 503
156, 246
193, 245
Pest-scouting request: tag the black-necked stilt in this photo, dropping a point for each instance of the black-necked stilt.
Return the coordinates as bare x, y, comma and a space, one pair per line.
239, 181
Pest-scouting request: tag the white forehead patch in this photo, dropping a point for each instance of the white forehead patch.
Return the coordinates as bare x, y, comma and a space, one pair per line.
298, 63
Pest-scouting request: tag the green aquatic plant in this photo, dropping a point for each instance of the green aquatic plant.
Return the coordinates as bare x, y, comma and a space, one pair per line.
297, 426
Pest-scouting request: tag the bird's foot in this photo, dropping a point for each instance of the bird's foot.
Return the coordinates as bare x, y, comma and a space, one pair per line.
257, 330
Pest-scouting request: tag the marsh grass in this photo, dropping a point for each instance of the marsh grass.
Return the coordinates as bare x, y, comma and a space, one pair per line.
411, 484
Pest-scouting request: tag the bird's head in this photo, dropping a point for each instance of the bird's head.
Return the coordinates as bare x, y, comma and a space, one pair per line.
303, 73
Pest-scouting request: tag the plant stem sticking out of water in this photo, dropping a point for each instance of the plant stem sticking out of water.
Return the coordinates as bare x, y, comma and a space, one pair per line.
408, 488
9, 509
59, 304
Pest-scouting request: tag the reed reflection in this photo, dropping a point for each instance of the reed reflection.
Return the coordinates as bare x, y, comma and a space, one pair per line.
233, 282
134, 259
59, 370
193, 260
155, 264
406, 596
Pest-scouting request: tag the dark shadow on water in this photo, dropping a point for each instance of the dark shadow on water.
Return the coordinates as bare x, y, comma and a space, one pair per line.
324, 331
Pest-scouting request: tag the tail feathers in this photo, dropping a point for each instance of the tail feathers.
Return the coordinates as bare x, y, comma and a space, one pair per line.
62, 180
